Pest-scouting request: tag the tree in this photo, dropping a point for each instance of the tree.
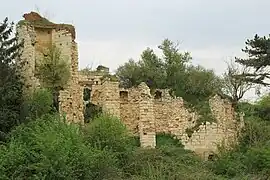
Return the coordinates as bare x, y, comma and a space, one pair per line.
175, 62
258, 51
235, 87
53, 72
152, 68
10, 84
157, 72
200, 83
149, 69
129, 74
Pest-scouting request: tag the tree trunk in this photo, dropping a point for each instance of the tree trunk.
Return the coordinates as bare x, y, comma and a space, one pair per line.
56, 99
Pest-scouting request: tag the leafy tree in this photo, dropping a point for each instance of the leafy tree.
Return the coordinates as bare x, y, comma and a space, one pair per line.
129, 74
200, 83
175, 62
235, 87
152, 69
172, 71
157, 72
53, 72
258, 51
10, 85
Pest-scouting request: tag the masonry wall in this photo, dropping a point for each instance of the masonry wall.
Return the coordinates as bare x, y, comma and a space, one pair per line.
28, 58
147, 130
224, 132
172, 117
107, 96
71, 99
129, 109
37, 39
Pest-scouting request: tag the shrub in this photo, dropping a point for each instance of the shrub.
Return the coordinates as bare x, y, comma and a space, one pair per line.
40, 103
107, 132
163, 139
251, 157
48, 148
166, 163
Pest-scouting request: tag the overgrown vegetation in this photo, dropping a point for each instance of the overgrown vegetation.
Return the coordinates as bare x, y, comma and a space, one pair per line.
53, 72
48, 148
11, 99
37, 143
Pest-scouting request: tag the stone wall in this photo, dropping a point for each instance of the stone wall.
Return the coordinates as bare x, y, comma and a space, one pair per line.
146, 114
38, 35
171, 116
224, 132
107, 96
28, 58
129, 108
146, 117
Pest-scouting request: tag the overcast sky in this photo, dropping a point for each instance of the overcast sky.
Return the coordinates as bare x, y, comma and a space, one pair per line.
109, 32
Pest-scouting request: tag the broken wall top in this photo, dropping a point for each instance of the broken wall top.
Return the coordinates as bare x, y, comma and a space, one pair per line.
36, 20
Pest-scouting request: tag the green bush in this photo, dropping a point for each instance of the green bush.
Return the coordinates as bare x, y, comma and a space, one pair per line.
166, 163
163, 139
251, 157
48, 148
109, 133
40, 103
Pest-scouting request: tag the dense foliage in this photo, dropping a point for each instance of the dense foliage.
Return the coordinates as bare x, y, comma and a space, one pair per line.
10, 85
48, 148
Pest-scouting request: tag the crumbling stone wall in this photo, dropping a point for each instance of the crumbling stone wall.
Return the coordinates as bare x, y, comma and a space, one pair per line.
38, 34
171, 116
27, 62
146, 117
146, 114
224, 132
129, 108
107, 96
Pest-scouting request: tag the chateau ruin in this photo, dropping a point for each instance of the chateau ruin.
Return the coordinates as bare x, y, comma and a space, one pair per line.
144, 114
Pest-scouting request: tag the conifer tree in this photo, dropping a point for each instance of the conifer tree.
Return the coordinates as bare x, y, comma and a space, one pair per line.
258, 51
10, 85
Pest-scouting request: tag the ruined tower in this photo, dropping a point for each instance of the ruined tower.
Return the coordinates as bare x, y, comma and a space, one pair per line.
38, 33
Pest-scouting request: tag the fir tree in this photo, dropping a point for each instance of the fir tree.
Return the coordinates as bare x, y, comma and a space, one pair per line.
10, 85
258, 51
